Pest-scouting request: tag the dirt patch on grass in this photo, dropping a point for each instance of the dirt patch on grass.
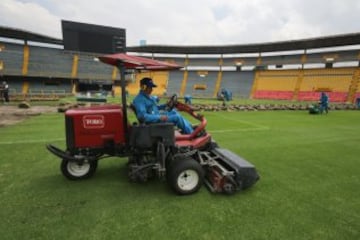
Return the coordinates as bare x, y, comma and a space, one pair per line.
10, 115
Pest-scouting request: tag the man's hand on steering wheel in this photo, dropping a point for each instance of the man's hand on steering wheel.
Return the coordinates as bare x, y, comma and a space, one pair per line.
172, 102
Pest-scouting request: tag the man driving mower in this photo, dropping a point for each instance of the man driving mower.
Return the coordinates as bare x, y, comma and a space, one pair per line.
148, 111
186, 160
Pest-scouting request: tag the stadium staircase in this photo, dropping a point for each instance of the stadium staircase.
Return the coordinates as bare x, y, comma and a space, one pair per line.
354, 86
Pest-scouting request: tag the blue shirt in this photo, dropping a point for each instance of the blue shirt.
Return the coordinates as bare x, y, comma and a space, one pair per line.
146, 108
324, 99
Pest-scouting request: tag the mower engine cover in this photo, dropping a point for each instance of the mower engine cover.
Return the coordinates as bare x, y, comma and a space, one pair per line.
94, 127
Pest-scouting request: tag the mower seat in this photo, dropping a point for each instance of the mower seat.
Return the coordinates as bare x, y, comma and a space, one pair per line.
197, 139
132, 107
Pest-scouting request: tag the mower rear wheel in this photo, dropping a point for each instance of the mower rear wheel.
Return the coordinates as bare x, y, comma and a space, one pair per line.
77, 171
185, 176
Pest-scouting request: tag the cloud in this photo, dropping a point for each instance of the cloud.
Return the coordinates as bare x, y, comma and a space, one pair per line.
221, 11
29, 16
190, 22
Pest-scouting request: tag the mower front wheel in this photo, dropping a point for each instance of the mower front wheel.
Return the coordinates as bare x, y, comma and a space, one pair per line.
77, 171
185, 176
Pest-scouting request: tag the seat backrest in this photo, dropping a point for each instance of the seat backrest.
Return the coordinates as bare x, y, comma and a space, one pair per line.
133, 108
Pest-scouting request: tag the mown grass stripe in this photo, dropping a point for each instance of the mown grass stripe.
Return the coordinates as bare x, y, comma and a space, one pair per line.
32, 141
239, 130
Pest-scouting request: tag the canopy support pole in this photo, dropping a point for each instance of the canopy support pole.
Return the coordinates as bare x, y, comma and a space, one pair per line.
121, 67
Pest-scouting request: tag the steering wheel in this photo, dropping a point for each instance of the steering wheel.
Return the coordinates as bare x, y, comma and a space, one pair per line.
172, 102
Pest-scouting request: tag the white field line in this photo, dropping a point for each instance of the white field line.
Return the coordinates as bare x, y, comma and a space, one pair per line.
32, 141
254, 126
239, 130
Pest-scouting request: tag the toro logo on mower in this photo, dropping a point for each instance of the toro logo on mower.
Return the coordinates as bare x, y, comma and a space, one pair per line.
93, 121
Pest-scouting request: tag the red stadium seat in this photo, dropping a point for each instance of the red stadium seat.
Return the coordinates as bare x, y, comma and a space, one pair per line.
263, 94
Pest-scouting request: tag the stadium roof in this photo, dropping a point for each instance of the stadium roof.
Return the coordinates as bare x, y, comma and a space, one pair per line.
310, 43
19, 34
302, 44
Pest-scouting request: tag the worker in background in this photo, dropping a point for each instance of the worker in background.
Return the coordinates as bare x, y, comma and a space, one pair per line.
5, 91
324, 103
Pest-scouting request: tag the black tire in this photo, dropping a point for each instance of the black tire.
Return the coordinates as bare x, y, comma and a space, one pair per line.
185, 176
75, 171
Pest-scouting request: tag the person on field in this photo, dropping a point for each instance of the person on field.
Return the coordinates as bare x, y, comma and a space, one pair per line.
148, 111
324, 103
5, 91
187, 99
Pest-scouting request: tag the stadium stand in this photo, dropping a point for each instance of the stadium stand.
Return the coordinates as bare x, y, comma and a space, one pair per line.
336, 82
42, 64
90, 68
12, 58
275, 84
232, 61
174, 83
208, 62
292, 70
238, 83
201, 86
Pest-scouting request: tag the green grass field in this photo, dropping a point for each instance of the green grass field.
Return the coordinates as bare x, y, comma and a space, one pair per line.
309, 186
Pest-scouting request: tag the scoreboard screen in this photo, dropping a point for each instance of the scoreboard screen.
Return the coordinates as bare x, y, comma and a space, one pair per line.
92, 38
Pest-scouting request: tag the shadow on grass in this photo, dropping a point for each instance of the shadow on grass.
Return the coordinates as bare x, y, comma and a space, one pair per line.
109, 178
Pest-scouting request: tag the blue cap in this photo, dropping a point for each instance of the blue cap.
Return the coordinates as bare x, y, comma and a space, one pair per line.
147, 82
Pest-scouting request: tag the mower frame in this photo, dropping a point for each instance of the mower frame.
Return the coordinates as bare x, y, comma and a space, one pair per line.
184, 161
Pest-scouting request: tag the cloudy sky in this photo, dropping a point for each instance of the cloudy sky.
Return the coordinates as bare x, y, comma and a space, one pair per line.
190, 22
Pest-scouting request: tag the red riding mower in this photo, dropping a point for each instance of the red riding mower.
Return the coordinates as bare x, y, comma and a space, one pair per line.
185, 161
